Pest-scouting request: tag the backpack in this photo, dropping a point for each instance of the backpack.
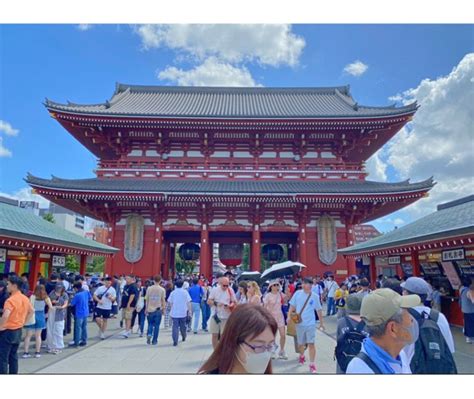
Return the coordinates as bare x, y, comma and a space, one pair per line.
432, 354
349, 344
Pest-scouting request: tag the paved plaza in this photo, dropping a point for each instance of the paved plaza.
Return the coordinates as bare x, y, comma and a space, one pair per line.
118, 355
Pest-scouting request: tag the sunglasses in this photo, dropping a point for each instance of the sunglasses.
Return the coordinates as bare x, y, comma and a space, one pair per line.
225, 286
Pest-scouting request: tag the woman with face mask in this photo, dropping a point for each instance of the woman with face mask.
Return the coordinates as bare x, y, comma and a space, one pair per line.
247, 344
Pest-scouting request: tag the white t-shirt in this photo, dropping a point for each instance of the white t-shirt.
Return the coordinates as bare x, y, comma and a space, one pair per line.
106, 302
85, 287
358, 366
443, 326
185, 285
331, 286
221, 297
179, 299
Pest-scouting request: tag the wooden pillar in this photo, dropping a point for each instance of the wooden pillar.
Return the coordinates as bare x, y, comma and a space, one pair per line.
302, 244
205, 264
82, 265
350, 261
166, 265
256, 250
372, 271
415, 263
173, 259
109, 261
34, 269
157, 248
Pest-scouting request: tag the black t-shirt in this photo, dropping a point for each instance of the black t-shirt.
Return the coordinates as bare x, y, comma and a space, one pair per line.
129, 290
50, 286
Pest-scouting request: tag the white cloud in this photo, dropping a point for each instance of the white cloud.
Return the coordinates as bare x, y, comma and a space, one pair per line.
25, 194
376, 167
440, 140
4, 152
357, 68
8, 129
210, 73
267, 44
84, 27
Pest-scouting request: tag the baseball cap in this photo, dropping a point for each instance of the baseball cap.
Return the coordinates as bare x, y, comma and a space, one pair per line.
353, 303
381, 305
416, 285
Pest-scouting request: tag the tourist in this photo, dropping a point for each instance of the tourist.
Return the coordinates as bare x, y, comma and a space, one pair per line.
393, 284
63, 280
205, 308
330, 287
390, 329
242, 293
350, 331
104, 296
3, 295
254, 297
466, 294
436, 298
272, 301
56, 315
196, 293
80, 302
16, 311
39, 300
116, 287
25, 289
340, 297
51, 284
169, 289
129, 301
364, 285
180, 303
418, 286
247, 344
139, 308
155, 304
222, 300
318, 287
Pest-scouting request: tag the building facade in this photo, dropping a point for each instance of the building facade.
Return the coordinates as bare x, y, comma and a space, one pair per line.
228, 166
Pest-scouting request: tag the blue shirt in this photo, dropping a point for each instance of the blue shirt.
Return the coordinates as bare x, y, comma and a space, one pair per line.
81, 304
307, 317
196, 292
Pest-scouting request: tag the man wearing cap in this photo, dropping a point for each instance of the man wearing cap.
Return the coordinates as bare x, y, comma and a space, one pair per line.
391, 328
418, 286
221, 299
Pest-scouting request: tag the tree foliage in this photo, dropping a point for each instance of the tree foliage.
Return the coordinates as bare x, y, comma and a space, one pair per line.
49, 217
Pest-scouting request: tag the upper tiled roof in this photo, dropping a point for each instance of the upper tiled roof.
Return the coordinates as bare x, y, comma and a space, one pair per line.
229, 187
231, 102
446, 222
20, 224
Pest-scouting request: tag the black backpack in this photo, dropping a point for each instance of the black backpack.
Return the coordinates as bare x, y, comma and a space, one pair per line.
349, 344
432, 354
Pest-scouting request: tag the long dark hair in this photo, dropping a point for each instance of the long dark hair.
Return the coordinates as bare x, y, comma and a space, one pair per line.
245, 323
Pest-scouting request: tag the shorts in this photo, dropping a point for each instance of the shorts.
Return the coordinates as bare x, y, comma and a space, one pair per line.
217, 328
127, 314
40, 321
103, 313
305, 334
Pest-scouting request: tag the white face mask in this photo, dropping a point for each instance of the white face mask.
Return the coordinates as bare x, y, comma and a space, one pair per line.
256, 363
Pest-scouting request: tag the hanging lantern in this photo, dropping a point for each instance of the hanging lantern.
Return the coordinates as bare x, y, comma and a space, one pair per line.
189, 251
231, 254
272, 252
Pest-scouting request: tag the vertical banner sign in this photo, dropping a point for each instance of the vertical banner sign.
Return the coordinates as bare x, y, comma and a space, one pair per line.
327, 240
3, 254
134, 230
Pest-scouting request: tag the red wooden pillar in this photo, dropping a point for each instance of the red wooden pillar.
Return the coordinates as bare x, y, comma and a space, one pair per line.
302, 246
255, 259
157, 248
372, 271
109, 261
166, 267
205, 266
82, 265
350, 261
173, 259
415, 263
34, 269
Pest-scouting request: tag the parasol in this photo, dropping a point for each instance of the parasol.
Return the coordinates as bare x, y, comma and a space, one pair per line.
282, 269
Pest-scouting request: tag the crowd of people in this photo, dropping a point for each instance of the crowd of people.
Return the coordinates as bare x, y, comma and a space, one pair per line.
393, 329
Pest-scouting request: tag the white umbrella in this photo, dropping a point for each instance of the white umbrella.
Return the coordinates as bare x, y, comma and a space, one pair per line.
252, 276
282, 269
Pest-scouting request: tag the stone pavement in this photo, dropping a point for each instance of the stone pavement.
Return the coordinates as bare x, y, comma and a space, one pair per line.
118, 355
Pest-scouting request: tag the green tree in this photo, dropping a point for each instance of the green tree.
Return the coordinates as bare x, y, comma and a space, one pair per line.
97, 265
183, 266
49, 217
72, 263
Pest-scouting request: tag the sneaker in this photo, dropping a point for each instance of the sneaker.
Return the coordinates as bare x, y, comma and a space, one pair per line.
26, 355
148, 340
141, 335
125, 334
195, 332
37, 355
175, 344
73, 345
301, 359
121, 323
312, 368
282, 355
469, 340
82, 343
274, 356
102, 336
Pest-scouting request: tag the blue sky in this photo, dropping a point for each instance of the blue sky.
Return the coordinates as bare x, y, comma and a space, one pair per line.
82, 64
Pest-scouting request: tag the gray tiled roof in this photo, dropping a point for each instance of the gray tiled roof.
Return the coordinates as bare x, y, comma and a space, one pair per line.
231, 102
229, 187
447, 222
18, 223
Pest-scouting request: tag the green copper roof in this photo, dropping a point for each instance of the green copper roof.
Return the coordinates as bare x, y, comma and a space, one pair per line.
451, 219
18, 223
